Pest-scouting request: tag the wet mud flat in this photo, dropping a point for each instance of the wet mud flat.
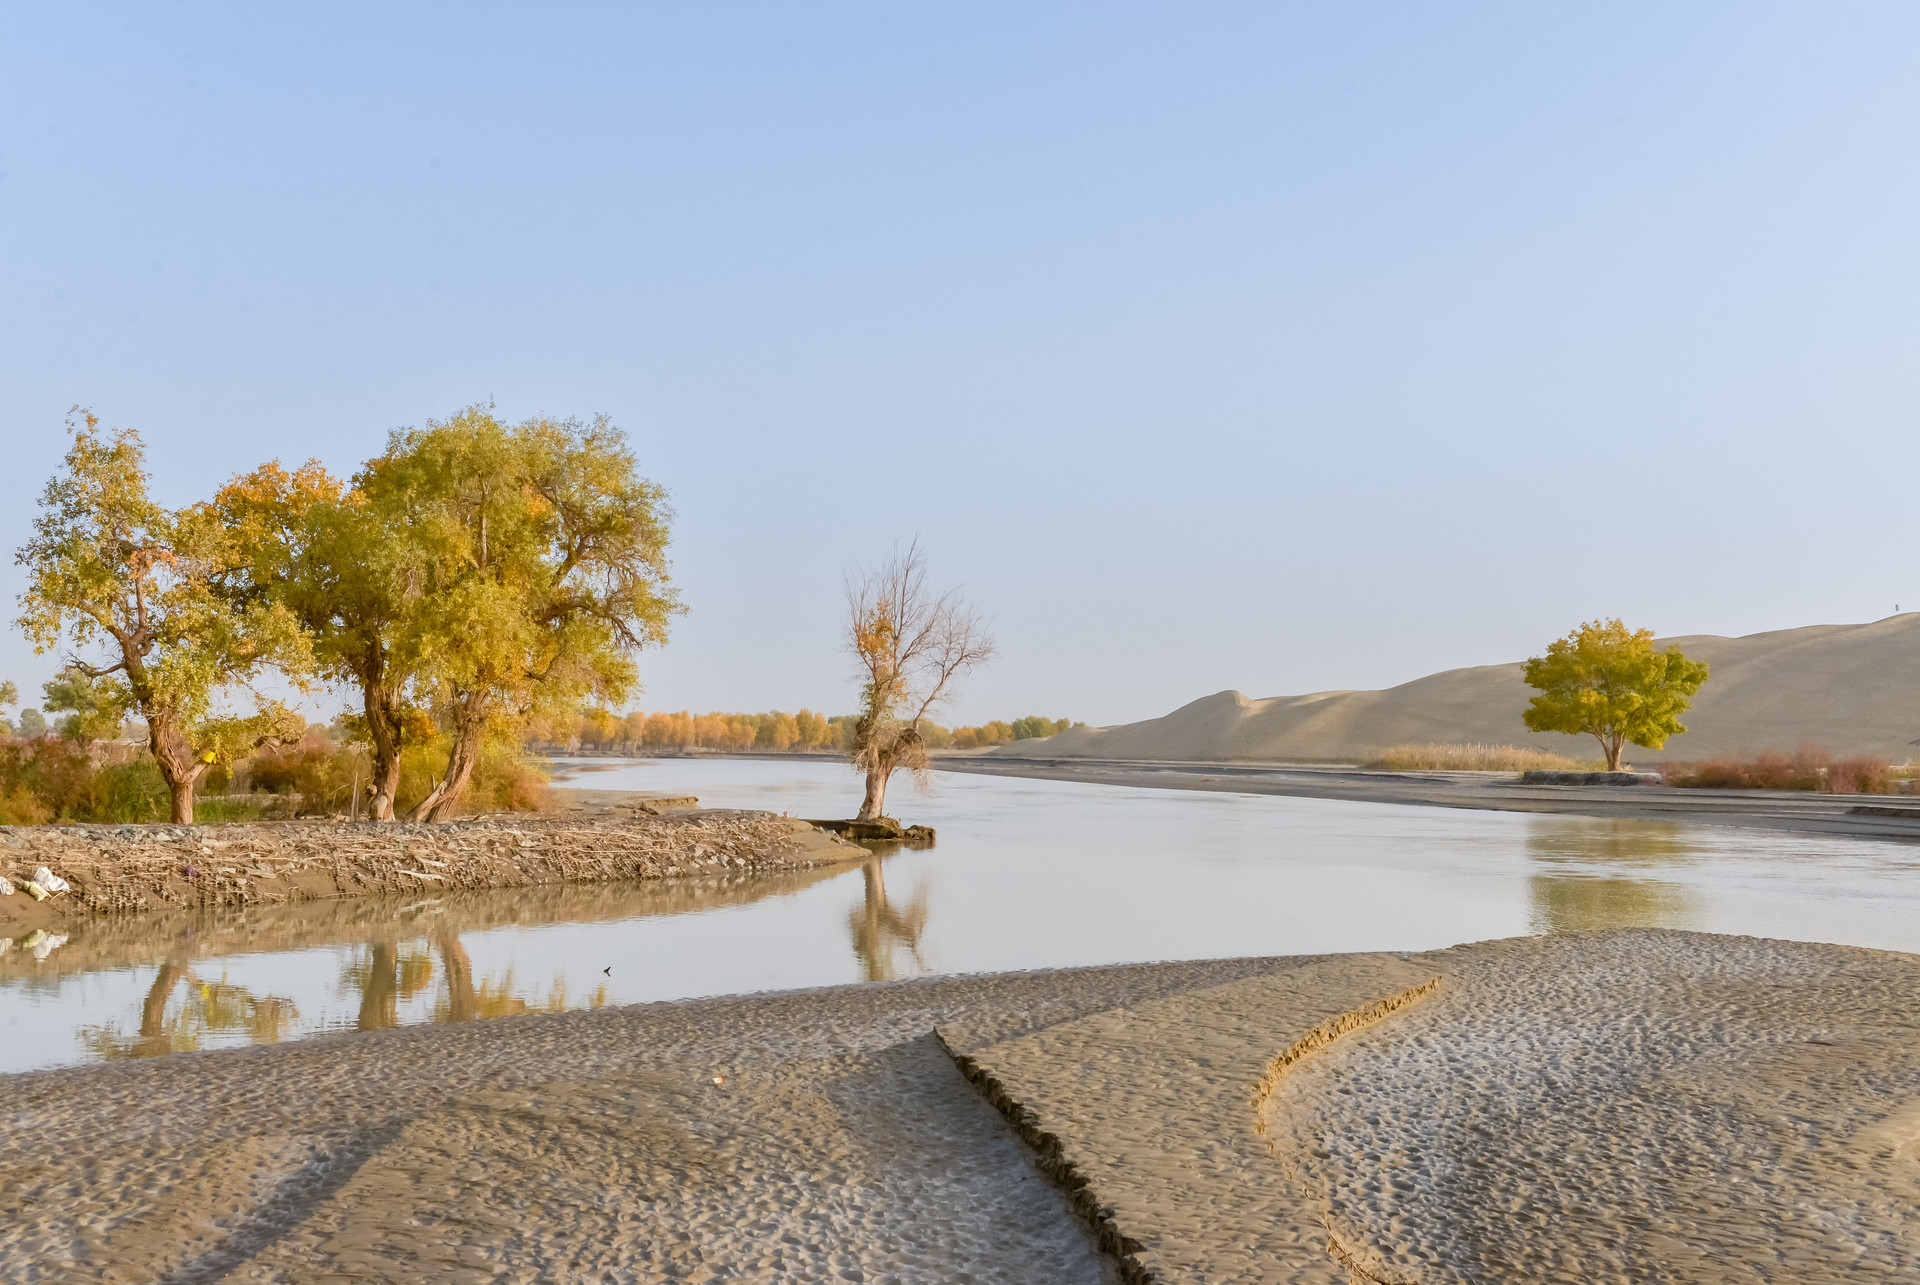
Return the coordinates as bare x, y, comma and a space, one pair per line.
1629, 1105
131, 869
1858, 816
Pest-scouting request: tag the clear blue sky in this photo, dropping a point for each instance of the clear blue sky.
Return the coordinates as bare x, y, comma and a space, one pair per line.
1280, 347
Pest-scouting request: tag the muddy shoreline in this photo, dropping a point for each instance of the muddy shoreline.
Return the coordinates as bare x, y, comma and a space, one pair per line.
1860, 816
136, 869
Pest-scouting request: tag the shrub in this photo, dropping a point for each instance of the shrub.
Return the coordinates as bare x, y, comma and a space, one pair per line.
1456, 757
1810, 767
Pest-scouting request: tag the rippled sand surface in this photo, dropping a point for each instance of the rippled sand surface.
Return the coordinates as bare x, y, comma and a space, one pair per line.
1634, 1106
840, 1144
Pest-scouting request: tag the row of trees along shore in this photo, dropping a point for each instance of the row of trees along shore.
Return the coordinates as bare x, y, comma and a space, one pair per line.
605, 731
473, 579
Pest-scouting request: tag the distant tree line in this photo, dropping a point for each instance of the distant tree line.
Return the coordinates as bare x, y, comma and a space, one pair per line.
605, 731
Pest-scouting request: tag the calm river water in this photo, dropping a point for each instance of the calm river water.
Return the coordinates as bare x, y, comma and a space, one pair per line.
1026, 874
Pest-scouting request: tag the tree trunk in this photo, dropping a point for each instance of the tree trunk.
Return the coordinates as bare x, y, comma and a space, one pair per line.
875, 803
1611, 746
182, 792
470, 728
383, 736
175, 759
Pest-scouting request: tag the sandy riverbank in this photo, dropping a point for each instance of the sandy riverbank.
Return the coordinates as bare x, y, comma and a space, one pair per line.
1633, 1105
121, 869
1863, 816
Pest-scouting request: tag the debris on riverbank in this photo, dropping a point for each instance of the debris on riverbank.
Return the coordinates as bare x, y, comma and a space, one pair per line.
115, 869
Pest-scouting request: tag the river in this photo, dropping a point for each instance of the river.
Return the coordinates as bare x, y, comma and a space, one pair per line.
1026, 874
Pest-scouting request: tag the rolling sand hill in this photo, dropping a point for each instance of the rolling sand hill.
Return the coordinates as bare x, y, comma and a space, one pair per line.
1852, 688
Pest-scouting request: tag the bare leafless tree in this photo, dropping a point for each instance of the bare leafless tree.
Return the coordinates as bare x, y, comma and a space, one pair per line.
911, 645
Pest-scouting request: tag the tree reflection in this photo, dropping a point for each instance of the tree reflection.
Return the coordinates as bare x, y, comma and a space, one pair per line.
384, 978
1578, 903
205, 1009
879, 929
1588, 887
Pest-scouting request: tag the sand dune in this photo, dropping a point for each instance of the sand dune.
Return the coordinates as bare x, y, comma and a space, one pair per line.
1853, 688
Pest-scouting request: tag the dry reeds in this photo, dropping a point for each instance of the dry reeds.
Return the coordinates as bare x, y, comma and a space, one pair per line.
1810, 767
1456, 757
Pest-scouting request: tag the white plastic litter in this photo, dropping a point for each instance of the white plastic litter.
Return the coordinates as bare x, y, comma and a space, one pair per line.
50, 881
6, 886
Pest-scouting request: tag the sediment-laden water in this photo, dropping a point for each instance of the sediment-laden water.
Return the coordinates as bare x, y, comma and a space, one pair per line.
1026, 874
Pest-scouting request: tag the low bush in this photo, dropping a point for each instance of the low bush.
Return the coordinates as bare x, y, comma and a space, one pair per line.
52, 779
45, 779
1810, 767
1456, 757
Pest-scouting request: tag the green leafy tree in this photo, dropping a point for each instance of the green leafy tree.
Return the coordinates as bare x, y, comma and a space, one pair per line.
1606, 681
93, 711
536, 555
123, 578
911, 646
334, 560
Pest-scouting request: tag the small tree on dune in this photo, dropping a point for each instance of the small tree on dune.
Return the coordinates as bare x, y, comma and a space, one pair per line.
1606, 681
911, 645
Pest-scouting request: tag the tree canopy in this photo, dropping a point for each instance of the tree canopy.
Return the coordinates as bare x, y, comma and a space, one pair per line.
535, 557
332, 558
131, 583
1606, 681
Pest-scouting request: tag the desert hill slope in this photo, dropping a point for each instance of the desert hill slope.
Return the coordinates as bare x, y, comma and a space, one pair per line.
1852, 688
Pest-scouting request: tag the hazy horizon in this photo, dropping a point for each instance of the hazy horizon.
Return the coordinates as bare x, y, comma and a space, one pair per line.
1283, 350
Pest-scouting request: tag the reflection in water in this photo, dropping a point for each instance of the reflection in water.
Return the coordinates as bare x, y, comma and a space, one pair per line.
206, 1008
1608, 841
384, 978
1581, 903
880, 929
1587, 888
397, 962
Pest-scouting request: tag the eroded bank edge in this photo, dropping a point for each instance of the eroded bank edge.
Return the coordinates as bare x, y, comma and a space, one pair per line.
1362, 1266
1051, 1159
1324, 1034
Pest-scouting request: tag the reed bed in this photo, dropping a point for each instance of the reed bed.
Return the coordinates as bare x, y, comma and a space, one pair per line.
1453, 756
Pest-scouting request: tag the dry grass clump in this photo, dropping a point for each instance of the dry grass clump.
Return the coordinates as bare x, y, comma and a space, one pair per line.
1810, 767
1456, 757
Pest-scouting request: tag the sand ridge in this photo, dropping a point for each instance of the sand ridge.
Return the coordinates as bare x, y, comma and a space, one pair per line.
1146, 1112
